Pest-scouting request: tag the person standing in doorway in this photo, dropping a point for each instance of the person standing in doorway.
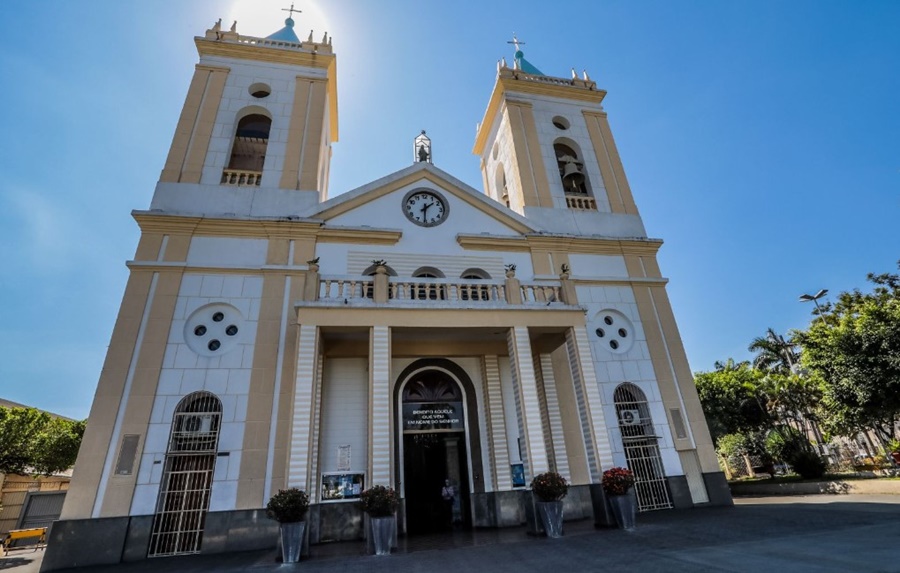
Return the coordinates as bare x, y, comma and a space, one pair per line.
448, 495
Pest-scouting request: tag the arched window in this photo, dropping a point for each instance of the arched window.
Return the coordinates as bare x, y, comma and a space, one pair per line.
571, 168
474, 292
641, 447
187, 476
251, 138
500, 186
429, 290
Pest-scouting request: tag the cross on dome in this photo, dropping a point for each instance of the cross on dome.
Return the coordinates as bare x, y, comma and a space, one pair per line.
290, 19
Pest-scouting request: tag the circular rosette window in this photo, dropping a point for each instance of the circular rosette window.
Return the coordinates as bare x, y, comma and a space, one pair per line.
614, 331
214, 329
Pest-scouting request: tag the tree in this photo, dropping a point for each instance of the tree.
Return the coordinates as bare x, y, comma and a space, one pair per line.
33, 442
855, 348
773, 353
730, 400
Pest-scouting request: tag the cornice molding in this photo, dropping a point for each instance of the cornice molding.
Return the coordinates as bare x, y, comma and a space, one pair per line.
580, 245
508, 85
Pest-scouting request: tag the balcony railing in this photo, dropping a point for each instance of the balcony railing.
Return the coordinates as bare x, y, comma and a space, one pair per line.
464, 292
582, 202
241, 177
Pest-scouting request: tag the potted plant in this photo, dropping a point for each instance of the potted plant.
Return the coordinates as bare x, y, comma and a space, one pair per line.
313, 264
510, 270
893, 449
288, 507
564, 271
380, 503
617, 484
380, 266
550, 488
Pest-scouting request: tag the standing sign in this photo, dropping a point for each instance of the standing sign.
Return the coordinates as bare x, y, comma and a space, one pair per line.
432, 416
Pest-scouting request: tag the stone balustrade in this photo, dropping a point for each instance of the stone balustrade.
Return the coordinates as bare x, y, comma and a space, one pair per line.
241, 178
582, 202
464, 292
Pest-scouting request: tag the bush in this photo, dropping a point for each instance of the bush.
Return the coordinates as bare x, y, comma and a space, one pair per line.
807, 463
288, 505
549, 486
617, 481
379, 501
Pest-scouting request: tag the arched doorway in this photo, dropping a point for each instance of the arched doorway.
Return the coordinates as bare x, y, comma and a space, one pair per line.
433, 422
187, 477
641, 448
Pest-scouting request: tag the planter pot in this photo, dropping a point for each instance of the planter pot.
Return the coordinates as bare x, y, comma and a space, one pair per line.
292, 541
624, 508
382, 534
551, 513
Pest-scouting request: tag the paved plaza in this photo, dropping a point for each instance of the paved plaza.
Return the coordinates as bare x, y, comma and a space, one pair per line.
766, 534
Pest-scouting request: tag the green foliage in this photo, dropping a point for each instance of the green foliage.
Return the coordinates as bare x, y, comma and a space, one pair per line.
288, 505
807, 463
549, 486
854, 347
729, 398
33, 442
379, 501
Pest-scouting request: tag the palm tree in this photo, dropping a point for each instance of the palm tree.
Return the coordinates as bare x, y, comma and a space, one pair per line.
774, 353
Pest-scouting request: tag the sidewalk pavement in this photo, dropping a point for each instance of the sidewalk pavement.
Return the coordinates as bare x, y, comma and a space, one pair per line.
828, 533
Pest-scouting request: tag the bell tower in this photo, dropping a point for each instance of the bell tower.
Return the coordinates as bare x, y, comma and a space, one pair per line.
547, 151
254, 137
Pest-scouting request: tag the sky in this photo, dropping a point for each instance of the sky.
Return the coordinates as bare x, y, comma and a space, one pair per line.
761, 141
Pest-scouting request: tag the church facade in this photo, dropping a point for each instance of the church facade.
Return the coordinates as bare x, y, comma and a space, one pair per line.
411, 333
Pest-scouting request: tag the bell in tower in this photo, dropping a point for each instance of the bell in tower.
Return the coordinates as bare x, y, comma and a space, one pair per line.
422, 149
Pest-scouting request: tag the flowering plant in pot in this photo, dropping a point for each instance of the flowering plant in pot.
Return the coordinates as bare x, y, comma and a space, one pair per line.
617, 483
550, 488
380, 503
289, 507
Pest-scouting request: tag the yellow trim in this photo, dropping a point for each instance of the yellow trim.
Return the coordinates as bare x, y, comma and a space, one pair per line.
327, 62
359, 236
494, 317
509, 84
584, 245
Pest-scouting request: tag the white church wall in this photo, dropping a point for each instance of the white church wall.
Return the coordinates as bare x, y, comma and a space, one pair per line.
587, 267
345, 415
227, 375
630, 362
344, 259
225, 252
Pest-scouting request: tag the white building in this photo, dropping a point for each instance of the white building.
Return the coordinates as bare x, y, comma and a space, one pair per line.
270, 336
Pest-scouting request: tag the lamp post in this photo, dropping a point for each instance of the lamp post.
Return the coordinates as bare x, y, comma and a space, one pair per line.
815, 298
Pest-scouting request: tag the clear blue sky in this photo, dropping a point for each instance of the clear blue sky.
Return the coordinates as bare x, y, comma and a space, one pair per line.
761, 140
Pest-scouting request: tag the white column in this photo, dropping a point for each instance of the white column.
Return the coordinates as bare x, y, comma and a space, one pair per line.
380, 406
304, 399
316, 426
590, 406
556, 428
528, 407
493, 404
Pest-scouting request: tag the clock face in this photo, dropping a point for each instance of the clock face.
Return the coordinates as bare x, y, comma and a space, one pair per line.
425, 208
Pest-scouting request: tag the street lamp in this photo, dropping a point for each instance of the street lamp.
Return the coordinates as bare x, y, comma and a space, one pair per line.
815, 298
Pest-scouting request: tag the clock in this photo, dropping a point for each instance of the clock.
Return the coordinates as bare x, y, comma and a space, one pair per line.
425, 207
